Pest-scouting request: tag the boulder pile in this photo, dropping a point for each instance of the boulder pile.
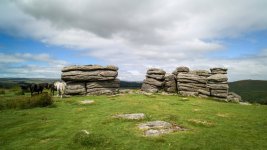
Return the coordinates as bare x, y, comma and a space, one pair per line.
90, 80
154, 81
217, 83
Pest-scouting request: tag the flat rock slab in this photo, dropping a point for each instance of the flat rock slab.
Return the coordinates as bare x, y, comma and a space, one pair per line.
136, 116
87, 102
156, 128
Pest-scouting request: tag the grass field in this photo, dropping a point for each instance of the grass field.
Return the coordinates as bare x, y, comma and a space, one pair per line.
210, 124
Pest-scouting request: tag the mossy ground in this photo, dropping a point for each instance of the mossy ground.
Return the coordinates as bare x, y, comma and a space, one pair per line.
210, 124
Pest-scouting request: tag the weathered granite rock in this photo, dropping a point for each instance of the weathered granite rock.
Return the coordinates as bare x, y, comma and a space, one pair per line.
88, 68
98, 75
218, 78
95, 79
188, 93
154, 81
156, 76
181, 69
135, 116
219, 93
233, 97
218, 70
103, 84
203, 73
193, 77
170, 84
218, 86
152, 71
149, 88
75, 88
156, 128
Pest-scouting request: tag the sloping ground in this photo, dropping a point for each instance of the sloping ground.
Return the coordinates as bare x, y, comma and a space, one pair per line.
251, 90
210, 124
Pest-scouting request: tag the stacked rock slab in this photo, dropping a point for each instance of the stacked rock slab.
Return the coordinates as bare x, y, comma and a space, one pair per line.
189, 84
217, 83
90, 79
203, 90
170, 84
154, 81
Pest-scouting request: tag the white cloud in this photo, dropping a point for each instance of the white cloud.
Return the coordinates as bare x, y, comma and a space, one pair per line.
136, 35
28, 65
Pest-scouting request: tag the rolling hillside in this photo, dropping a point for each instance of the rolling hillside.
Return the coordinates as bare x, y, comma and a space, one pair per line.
251, 90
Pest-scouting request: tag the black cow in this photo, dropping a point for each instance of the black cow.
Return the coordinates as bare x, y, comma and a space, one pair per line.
36, 88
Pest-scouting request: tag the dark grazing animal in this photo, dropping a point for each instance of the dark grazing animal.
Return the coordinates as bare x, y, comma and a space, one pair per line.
52, 88
38, 88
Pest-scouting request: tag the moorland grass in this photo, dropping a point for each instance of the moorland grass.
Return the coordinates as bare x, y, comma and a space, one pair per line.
210, 124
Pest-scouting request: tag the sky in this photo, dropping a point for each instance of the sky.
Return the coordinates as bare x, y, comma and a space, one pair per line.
39, 37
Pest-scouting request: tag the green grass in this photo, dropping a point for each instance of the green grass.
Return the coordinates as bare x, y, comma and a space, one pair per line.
211, 124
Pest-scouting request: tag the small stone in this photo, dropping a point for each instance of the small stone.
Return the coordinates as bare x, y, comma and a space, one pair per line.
87, 102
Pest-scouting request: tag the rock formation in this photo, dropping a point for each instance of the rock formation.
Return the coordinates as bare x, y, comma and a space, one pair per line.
90, 80
154, 81
217, 83
191, 83
170, 84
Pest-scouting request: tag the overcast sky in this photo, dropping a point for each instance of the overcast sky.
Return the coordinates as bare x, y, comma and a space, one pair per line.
39, 37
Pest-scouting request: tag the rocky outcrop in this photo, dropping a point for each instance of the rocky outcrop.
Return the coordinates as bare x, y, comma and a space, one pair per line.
218, 71
170, 84
90, 79
154, 81
218, 83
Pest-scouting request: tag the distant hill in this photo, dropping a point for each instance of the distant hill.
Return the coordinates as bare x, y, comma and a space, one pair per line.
251, 90
11, 82
130, 84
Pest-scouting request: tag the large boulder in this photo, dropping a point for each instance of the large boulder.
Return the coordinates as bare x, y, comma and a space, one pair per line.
181, 69
149, 88
154, 82
233, 97
152, 71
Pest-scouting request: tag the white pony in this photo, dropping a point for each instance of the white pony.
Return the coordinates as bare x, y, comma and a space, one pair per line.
61, 87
